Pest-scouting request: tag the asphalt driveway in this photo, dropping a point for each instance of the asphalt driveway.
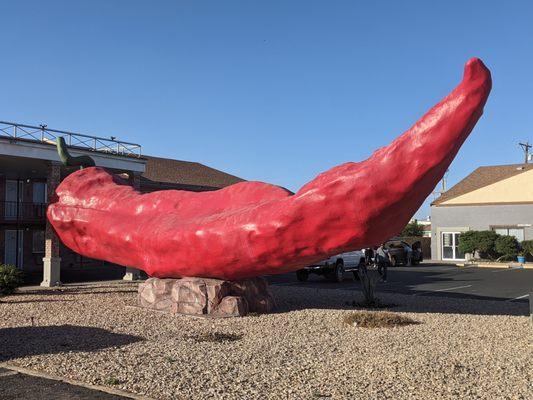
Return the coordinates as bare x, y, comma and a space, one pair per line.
437, 280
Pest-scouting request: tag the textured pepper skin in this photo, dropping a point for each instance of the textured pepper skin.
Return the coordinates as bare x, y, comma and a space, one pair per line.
253, 228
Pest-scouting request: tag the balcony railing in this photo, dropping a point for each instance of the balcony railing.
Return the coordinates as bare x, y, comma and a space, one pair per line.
86, 142
13, 211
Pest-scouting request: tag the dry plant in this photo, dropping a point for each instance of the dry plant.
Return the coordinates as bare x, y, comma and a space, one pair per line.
216, 337
377, 319
369, 278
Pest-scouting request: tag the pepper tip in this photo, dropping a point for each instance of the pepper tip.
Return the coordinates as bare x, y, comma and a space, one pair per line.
474, 67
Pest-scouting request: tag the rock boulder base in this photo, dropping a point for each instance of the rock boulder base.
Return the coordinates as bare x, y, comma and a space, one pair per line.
203, 296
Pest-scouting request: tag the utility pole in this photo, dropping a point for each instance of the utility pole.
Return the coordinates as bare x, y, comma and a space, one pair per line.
525, 146
445, 181
444, 186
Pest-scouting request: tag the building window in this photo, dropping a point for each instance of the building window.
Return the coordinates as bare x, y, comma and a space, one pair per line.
14, 191
518, 233
39, 192
38, 242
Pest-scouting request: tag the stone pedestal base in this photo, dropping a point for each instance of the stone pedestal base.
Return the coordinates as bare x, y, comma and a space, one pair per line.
51, 271
199, 296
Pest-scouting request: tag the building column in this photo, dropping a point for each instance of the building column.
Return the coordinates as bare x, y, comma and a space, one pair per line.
51, 260
133, 274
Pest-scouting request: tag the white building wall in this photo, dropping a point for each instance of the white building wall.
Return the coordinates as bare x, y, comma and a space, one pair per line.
463, 218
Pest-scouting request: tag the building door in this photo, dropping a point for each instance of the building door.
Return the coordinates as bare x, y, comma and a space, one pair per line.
450, 246
39, 200
14, 247
14, 191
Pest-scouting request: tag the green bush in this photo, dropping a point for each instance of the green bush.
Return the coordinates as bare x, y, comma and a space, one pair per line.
487, 244
413, 229
527, 247
481, 241
10, 279
467, 242
507, 246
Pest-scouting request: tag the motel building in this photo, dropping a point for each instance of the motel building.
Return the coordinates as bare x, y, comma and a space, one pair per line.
30, 171
498, 198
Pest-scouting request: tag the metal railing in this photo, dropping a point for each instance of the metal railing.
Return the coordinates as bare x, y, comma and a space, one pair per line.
87, 142
22, 211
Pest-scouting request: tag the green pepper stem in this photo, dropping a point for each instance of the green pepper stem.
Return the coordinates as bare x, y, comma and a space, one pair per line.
70, 161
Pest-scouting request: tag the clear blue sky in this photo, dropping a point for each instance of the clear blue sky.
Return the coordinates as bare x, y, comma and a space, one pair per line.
276, 91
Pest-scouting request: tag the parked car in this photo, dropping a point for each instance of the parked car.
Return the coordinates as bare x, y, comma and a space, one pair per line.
398, 249
334, 267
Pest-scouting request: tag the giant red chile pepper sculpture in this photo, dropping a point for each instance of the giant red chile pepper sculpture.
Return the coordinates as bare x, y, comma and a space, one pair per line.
252, 228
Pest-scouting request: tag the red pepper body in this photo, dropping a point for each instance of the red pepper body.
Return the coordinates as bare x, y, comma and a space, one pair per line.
253, 228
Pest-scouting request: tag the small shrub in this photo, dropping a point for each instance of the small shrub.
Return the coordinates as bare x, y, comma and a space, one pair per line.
374, 319
111, 381
10, 279
507, 246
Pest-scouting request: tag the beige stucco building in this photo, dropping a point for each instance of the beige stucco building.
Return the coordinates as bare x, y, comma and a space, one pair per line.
498, 198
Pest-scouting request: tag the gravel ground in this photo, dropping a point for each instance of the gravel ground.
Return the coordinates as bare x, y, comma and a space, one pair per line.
477, 350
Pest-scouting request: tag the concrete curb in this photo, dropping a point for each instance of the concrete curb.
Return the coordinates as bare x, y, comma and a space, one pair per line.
496, 265
44, 375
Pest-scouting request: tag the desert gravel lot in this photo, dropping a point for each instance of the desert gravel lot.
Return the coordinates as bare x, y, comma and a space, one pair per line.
476, 350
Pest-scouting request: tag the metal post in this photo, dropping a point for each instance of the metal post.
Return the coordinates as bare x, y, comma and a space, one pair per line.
15, 131
42, 131
17, 242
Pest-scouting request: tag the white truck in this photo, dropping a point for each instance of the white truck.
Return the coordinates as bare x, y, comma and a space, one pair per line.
334, 267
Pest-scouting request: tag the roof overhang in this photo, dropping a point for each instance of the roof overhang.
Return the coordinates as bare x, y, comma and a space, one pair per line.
43, 151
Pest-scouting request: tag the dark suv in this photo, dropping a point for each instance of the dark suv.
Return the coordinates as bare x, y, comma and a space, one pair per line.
398, 249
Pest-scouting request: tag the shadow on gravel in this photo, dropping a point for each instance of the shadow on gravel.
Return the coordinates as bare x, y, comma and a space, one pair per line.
36, 340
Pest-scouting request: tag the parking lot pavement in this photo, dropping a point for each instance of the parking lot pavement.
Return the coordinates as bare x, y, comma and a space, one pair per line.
513, 284
16, 386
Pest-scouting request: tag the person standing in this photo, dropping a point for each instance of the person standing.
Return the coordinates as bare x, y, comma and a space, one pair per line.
382, 258
408, 255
